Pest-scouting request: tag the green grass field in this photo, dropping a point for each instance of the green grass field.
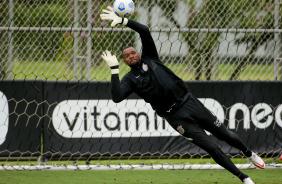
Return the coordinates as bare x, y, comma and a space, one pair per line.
267, 176
56, 70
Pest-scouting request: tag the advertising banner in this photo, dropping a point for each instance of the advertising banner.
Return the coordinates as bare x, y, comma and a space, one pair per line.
20, 114
81, 119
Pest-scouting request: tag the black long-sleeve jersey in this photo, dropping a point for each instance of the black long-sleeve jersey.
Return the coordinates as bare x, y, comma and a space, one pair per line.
152, 80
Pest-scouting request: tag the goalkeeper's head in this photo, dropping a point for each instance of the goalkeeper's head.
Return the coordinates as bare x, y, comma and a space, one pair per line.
130, 56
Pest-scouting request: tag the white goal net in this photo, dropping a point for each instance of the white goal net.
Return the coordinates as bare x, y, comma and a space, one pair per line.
56, 110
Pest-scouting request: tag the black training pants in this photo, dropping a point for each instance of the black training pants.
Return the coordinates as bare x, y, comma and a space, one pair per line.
192, 118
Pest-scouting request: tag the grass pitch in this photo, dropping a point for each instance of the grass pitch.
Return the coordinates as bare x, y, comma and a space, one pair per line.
267, 176
59, 70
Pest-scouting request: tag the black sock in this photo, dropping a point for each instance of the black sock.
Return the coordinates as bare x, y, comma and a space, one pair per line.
248, 153
242, 176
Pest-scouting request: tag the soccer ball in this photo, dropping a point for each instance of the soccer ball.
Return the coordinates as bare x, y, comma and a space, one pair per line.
123, 8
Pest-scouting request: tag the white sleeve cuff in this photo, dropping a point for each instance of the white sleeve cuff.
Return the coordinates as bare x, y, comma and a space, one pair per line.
125, 21
115, 71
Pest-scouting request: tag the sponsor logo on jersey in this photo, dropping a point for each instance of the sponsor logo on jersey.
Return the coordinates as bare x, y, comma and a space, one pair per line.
145, 67
180, 129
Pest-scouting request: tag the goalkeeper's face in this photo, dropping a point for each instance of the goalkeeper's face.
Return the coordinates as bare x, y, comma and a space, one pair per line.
131, 57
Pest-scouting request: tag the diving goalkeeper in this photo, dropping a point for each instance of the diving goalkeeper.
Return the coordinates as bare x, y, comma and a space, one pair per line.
169, 96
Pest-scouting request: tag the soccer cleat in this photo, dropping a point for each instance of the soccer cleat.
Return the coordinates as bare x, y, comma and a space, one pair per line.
248, 181
257, 161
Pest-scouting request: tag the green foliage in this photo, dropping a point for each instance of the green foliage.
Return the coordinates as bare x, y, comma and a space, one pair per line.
259, 15
223, 14
211, 14
47, 45
41, 44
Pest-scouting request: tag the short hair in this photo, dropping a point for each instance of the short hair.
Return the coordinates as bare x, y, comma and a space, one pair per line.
126, 48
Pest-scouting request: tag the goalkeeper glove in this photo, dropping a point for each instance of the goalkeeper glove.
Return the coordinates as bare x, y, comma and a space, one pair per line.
111, 61
109, 14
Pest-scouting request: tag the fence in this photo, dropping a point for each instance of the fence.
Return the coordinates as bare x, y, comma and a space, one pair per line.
54, 80
198, 40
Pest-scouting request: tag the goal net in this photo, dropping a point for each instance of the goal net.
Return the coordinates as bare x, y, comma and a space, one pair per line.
56, 110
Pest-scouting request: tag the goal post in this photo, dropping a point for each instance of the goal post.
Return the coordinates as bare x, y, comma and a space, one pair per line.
56, 110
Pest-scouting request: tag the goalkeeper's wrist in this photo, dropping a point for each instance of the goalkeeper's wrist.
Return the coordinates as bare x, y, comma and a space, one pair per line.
114, 69
124, 21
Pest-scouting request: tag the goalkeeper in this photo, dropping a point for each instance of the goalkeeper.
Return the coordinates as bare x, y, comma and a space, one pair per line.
168, 95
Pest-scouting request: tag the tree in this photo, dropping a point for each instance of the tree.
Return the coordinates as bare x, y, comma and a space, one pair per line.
211, 14
264, 19
214, 14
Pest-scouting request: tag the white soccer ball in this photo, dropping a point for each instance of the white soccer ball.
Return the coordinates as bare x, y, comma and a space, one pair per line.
123, 8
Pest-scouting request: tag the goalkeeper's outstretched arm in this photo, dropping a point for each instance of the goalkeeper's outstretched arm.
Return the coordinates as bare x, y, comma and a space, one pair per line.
120, 89
149, 47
